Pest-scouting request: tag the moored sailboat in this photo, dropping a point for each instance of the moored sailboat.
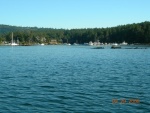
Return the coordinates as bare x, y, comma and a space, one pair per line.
12, 41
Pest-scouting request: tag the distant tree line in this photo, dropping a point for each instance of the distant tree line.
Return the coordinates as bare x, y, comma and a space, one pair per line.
131, 33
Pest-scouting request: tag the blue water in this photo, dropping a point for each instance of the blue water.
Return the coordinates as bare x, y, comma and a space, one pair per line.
73, 79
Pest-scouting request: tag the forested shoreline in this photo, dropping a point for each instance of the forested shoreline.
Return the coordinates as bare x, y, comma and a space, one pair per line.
130, 33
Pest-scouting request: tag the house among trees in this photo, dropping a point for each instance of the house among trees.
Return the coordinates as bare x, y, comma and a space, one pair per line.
53, 42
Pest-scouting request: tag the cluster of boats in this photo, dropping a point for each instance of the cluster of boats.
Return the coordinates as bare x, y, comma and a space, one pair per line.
98, 43
113, 45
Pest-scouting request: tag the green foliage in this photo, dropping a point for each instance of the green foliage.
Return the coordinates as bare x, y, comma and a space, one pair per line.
131, 33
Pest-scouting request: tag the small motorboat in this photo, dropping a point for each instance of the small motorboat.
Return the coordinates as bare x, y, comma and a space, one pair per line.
115, 46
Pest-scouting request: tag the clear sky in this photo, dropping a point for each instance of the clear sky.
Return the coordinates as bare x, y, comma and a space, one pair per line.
70, 14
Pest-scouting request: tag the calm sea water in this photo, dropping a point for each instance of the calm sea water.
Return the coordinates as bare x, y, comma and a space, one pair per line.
74, 79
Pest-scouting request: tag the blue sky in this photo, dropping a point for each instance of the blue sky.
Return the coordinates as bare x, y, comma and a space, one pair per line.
70, 14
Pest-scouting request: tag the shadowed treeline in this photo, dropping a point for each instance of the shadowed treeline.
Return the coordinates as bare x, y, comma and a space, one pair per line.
130, 33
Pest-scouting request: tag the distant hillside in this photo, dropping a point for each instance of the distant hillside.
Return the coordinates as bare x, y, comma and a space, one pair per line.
131, 33
8, 28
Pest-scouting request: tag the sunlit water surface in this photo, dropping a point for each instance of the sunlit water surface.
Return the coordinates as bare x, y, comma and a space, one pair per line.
68, 79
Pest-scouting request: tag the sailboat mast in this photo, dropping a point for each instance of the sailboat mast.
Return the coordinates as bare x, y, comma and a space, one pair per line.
12, 37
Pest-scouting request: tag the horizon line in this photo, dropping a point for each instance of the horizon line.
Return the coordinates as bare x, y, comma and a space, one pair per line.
71, 28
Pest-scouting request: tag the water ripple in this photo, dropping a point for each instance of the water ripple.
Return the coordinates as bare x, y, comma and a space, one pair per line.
73, 79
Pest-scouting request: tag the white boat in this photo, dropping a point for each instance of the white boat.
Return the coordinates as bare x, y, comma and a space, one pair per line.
68, 44
14, 44
114, 44
12, 41
75, 44
124, 43
91, 43
42, 44
86, 44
